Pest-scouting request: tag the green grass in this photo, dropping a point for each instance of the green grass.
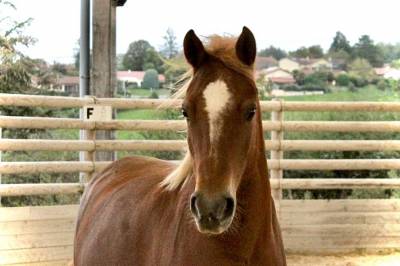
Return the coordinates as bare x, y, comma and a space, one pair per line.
146, 92
368, 93
138, 114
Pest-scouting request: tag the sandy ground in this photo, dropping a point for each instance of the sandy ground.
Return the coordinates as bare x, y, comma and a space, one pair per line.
339, 260
345, 260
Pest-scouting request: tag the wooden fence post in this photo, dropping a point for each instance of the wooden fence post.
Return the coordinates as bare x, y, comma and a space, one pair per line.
89, 155
104, 80
277, 135
87, 134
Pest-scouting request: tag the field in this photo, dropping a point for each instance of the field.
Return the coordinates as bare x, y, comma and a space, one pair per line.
369, 93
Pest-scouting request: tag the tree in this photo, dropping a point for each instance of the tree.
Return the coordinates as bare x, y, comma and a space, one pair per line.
275, 52
360, 67
299, 76
301, 52
14, 76
340, 43
365, 48
315, 51
170, 47
342, 80
175, 68
152, 60
340, 59
318, 79
395, 64
60, 68
150, 79
77, 54
141, 56
390, 52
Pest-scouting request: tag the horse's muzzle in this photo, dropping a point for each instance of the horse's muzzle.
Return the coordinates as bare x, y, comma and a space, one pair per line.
213, 215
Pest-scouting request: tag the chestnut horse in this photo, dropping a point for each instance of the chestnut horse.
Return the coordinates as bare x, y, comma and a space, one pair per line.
215, 208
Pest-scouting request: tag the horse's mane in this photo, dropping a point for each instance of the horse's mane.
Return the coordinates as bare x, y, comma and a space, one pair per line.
222, 48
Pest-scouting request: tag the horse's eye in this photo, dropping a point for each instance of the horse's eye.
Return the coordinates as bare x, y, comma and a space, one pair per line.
184, 113
250, 114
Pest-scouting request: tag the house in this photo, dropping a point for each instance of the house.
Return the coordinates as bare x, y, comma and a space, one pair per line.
381, 71
392, 74
388, 72
264, 62
289, 64
338, 64
277, 75
134, 77
320, 63
68, 85
307, 64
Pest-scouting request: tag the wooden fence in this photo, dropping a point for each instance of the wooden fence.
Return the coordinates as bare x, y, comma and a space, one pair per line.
44, 234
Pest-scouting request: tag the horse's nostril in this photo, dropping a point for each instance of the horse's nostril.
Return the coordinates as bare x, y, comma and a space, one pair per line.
193, 206
230, 204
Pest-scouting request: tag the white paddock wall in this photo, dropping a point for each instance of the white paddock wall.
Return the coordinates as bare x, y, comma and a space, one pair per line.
44, 235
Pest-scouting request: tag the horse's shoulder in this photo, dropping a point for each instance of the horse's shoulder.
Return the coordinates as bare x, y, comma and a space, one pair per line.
141, 162
138, 172
134, 166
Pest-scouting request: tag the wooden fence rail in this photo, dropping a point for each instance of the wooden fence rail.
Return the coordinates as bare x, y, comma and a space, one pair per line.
274, 164
305, 183
71, 102
179, 145
179, 125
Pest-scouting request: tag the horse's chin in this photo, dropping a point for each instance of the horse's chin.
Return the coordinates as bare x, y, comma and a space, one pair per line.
214, 230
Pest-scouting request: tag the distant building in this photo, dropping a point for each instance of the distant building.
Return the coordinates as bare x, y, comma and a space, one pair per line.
289, 64
307, 64
264, 62
320, 63
277, 75
338, 64
134, 77
388, 72
68, 85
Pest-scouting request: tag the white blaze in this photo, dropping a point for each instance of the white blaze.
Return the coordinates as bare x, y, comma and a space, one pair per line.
217, 97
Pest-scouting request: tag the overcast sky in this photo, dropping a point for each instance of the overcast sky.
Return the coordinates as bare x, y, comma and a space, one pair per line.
288, 24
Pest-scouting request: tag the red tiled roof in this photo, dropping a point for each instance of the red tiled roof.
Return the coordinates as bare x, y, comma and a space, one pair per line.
380, 71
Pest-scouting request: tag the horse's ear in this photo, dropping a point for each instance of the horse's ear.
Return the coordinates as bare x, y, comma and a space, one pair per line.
193, 49
246, 47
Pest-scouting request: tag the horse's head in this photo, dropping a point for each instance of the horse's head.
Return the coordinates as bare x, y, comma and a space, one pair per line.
220, 107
